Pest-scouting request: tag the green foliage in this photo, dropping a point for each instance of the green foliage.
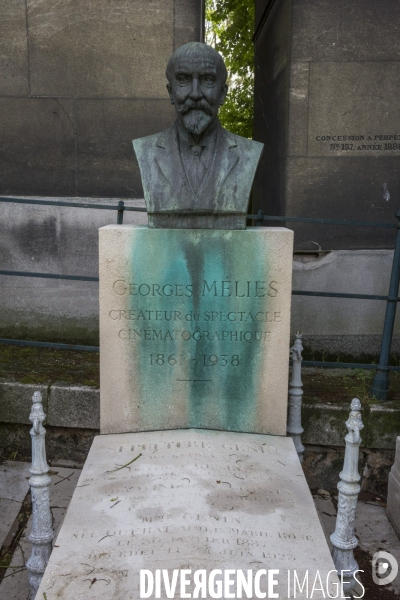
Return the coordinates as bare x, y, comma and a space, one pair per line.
229, 29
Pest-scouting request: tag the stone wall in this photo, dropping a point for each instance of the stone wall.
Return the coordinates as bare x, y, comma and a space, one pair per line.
47, 239
65, 240
73, 419
79, 80
333, 326
327, 107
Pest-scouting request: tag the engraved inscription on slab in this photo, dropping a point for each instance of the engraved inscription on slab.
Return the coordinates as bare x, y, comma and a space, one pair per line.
186, 500
194, 329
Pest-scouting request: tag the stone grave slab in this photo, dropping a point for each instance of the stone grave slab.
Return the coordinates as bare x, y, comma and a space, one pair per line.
194, 328
189, 499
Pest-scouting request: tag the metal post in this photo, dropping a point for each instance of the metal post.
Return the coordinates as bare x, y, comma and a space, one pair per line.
343, 538
294, 427
380, 384
120, 216
260, 218
42, 532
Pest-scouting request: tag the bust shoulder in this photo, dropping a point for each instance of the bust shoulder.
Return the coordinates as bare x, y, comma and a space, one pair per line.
244, 144
150, 141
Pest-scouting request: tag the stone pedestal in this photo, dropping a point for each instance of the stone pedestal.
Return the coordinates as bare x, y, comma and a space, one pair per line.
393, 499
194, 329
189, 500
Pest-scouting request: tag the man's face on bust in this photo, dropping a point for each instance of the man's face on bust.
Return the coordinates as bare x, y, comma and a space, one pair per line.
197, 89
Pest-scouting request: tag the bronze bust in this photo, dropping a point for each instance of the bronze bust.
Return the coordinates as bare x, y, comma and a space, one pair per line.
197, 174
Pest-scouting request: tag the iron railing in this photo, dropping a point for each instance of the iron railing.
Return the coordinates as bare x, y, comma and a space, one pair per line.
380, 384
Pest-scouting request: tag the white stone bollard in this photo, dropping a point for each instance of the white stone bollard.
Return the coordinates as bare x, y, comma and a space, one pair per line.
42, 532
294, 427
343, 538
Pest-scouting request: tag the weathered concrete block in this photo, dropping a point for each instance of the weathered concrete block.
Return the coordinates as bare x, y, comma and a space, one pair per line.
339, 31
298, 108
80, 50
272, 79
69, 446
74, 406
332, 129
375, 471
54, 240
357, 272
361, 122
16, 401
188, 22
358, 347
13, 48
38, 145
324, 424
105, 159
383, 424
99, 49
332, 177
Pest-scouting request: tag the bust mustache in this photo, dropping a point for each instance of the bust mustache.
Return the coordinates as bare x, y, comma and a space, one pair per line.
196, 115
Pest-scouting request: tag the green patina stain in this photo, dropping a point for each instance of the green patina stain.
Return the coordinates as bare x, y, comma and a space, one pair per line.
234, 393
181, 370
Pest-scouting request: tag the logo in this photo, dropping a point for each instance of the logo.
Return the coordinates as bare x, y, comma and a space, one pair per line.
384, 568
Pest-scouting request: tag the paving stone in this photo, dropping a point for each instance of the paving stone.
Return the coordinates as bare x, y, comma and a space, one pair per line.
376, 533
14, 480
372, 529
15, 585
9, 510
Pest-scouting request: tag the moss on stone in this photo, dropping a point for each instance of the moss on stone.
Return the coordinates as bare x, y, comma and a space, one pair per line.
47, 365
